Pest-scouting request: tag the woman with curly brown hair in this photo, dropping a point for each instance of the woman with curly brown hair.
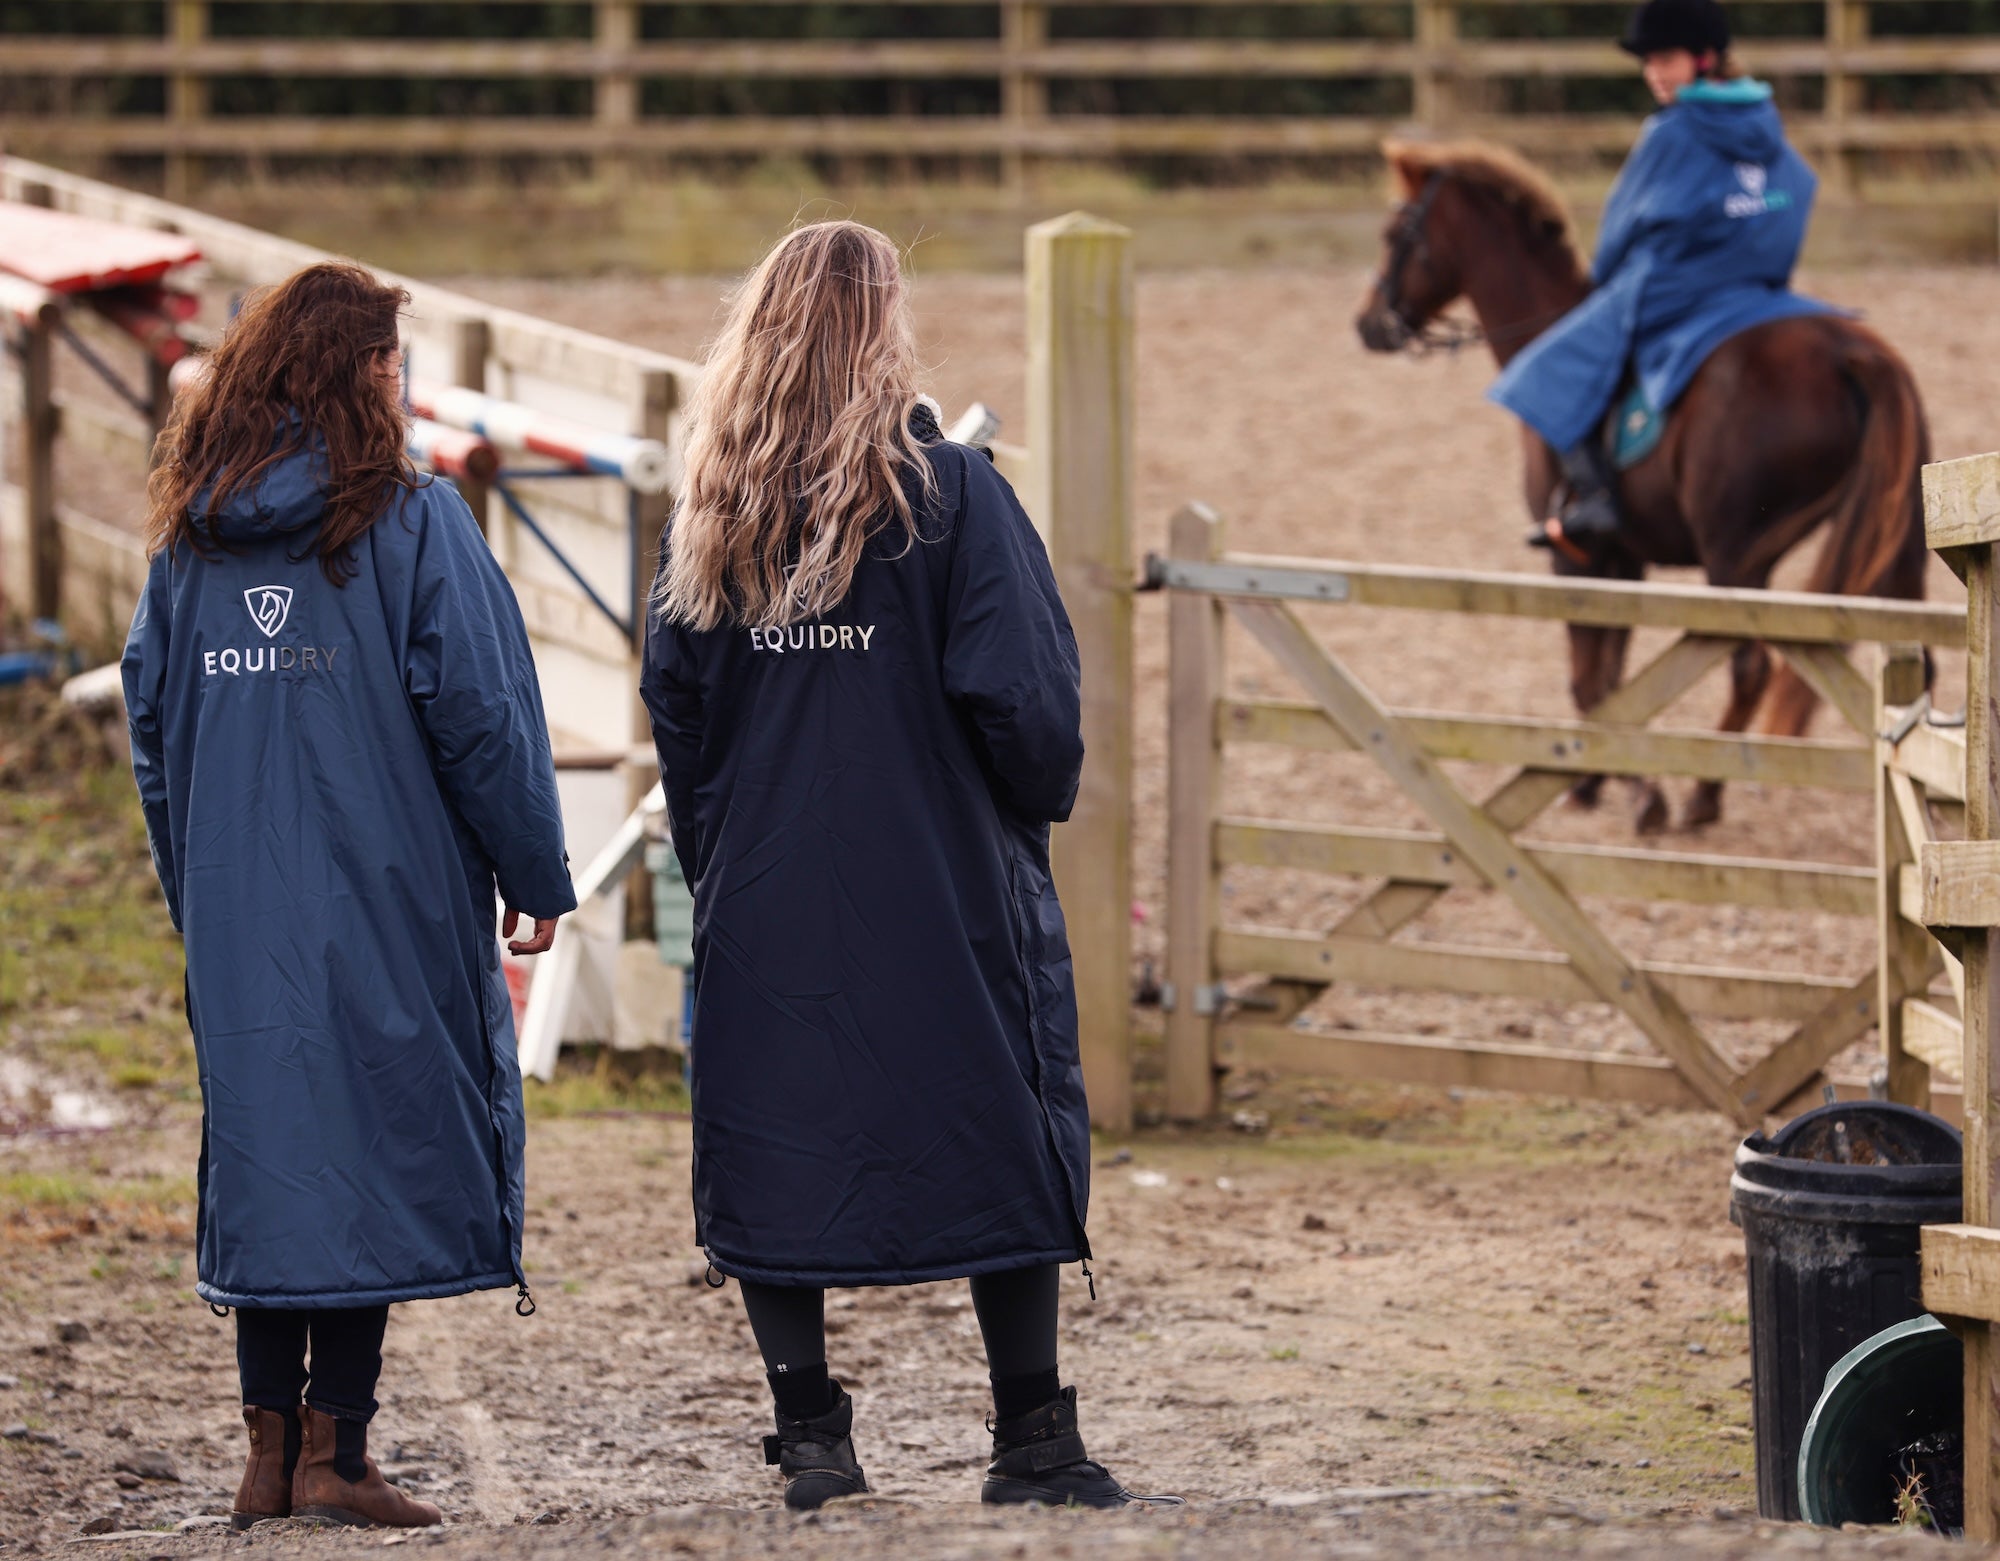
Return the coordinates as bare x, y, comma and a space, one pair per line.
340, 748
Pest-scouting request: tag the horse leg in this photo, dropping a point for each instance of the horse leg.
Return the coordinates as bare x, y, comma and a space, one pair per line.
1590, 654
1749, 676
1597, 667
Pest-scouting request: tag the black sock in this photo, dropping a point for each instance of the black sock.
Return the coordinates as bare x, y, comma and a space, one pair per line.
294, 1435
350, 1450
1023, 1393
802, 1392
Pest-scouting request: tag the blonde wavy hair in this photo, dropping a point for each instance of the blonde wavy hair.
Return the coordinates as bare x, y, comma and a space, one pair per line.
798, 436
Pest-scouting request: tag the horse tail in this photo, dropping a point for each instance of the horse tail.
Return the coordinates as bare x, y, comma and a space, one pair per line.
1875, 527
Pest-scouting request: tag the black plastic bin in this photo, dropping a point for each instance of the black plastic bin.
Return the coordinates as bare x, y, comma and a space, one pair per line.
1830, 1208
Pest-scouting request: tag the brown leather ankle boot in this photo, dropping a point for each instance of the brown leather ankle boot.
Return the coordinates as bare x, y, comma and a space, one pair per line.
266, 1491
318, 1491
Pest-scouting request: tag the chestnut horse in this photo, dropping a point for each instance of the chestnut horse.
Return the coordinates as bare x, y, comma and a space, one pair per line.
1787, 425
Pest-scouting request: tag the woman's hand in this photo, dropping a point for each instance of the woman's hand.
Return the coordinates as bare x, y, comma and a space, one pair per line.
545, 933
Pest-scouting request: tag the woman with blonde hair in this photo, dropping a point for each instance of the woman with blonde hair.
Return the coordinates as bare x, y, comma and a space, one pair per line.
865, 695
339, 744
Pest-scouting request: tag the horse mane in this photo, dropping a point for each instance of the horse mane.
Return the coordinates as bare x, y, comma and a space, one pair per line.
1519, 185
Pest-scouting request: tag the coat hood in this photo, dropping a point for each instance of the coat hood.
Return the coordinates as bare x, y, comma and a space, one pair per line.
289, 498
1734, 119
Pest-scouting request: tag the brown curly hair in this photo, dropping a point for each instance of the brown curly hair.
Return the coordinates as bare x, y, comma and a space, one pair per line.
298, 368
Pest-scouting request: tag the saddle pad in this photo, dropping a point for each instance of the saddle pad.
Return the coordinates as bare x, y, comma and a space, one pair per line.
1636, 430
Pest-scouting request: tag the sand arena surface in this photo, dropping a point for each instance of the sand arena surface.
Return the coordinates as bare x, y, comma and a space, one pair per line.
1537, 1307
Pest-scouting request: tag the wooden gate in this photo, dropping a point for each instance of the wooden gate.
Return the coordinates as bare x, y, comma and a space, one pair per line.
1472, 841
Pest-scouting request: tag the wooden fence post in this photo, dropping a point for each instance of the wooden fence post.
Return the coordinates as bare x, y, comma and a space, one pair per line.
40, 423
1982, 813
38, 471
1960, 1281
1024, 93
615, 90
1905, 948
1194, 793
187, 93
1080, 491
1847, 26
1432, 95
470, 342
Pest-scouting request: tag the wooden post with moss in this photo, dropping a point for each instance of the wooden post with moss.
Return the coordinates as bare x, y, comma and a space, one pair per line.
1080, 493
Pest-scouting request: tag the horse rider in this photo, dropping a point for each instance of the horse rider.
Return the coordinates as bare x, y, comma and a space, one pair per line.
1698, 242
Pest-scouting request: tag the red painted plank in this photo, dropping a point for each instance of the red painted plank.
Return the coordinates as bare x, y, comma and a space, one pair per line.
71, 254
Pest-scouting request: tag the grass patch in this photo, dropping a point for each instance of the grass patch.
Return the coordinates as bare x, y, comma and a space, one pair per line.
35, 1192
598, 1080
90, 965
45, 1209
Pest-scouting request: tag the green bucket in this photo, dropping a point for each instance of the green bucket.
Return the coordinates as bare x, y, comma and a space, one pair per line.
1901, 1389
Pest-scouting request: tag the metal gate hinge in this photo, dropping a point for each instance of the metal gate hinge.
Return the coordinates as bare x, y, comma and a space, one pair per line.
1208, 999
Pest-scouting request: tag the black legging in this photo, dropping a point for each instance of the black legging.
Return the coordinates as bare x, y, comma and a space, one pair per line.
1016, 1311
346, 1358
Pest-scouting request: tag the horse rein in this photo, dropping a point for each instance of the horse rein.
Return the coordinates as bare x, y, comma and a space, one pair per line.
1409, 240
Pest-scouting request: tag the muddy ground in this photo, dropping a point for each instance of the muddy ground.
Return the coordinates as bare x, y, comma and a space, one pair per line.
1534, 1310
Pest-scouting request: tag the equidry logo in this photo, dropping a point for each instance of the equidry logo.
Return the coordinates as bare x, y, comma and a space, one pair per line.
269, 606
812, 636
1756, 197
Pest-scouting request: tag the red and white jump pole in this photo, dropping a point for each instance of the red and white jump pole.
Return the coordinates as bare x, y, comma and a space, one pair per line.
453, 452
450, 452
28, 302
641, 464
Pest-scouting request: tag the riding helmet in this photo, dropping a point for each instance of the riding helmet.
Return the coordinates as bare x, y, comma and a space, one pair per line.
1695, 25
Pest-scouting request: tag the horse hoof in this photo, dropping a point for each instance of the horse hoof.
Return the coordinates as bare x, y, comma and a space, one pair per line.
1701, 811
1653, 817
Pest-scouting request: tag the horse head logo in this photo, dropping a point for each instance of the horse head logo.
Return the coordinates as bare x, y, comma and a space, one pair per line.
269, 606
1752, 177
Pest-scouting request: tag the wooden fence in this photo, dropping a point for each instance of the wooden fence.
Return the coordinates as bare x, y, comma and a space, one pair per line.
1427, 70
1215, 1023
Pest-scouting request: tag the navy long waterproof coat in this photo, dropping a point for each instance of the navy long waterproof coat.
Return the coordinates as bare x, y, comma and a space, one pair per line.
333, 778
884, 1054
1698, 243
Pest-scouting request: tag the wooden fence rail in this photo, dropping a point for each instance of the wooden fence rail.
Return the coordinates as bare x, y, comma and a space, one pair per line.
1427, 70
1216, 1022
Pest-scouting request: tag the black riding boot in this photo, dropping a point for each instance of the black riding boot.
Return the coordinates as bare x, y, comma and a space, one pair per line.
1038, 1460
816, 1456
1590, 515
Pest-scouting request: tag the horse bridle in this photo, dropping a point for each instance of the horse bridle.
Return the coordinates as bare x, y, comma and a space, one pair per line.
1409, 240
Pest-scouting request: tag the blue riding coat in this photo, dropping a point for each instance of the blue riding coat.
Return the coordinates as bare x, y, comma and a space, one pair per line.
1698, 242
333, 779
884, 1057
